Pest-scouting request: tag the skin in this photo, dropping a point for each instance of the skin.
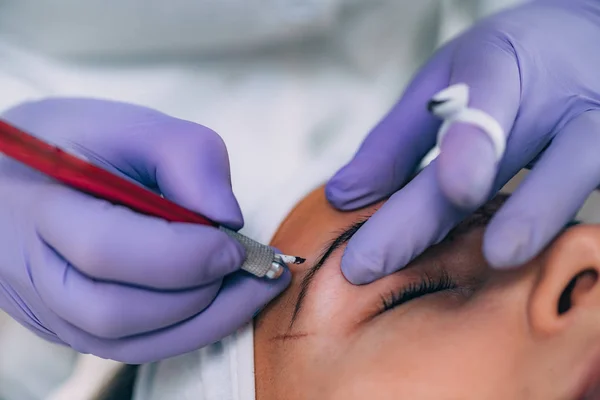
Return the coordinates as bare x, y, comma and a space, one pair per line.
500, 336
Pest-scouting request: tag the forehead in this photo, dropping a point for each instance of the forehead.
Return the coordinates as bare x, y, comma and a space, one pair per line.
315, 221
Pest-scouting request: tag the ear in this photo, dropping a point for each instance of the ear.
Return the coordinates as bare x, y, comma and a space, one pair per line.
568, 285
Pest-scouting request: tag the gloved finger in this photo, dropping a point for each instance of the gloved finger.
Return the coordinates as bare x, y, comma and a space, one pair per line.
109, 310
113, 243
467, 163
186, 162
191, 168
551, 194
240, 298
410, 221
390, 153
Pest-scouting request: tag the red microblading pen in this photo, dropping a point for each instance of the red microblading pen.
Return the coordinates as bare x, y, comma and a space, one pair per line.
79, 174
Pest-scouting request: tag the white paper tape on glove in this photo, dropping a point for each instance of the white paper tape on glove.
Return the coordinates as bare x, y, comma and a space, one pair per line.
451, 104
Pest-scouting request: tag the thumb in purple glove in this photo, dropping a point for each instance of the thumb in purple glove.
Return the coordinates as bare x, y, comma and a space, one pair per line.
104, 279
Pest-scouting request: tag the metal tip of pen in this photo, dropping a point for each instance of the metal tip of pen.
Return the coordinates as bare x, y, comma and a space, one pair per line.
292, 259
278, 265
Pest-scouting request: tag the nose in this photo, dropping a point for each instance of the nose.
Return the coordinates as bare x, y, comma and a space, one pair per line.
568, 289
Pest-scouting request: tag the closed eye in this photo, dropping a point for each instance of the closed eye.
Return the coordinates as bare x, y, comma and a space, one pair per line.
426, 286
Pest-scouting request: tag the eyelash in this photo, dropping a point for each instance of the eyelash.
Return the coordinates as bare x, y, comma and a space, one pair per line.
427, 285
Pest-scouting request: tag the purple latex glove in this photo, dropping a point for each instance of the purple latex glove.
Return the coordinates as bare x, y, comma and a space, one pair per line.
533, 68
104, 279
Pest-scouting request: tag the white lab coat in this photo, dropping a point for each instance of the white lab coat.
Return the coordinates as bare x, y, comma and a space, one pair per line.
267, 75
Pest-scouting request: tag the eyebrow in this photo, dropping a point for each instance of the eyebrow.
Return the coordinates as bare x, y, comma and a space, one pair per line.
477, 219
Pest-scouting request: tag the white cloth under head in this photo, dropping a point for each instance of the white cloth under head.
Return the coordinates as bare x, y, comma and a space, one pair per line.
224, 371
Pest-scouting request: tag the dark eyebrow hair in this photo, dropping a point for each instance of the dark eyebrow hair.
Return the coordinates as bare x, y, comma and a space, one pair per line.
477, 219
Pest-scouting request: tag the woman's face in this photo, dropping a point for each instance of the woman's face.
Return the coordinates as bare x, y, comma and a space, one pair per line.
445, 327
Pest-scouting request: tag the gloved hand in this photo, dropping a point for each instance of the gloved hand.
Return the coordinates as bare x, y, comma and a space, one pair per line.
104, 279
534, 69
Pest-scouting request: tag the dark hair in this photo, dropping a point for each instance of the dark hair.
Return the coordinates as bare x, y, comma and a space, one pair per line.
120, 387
